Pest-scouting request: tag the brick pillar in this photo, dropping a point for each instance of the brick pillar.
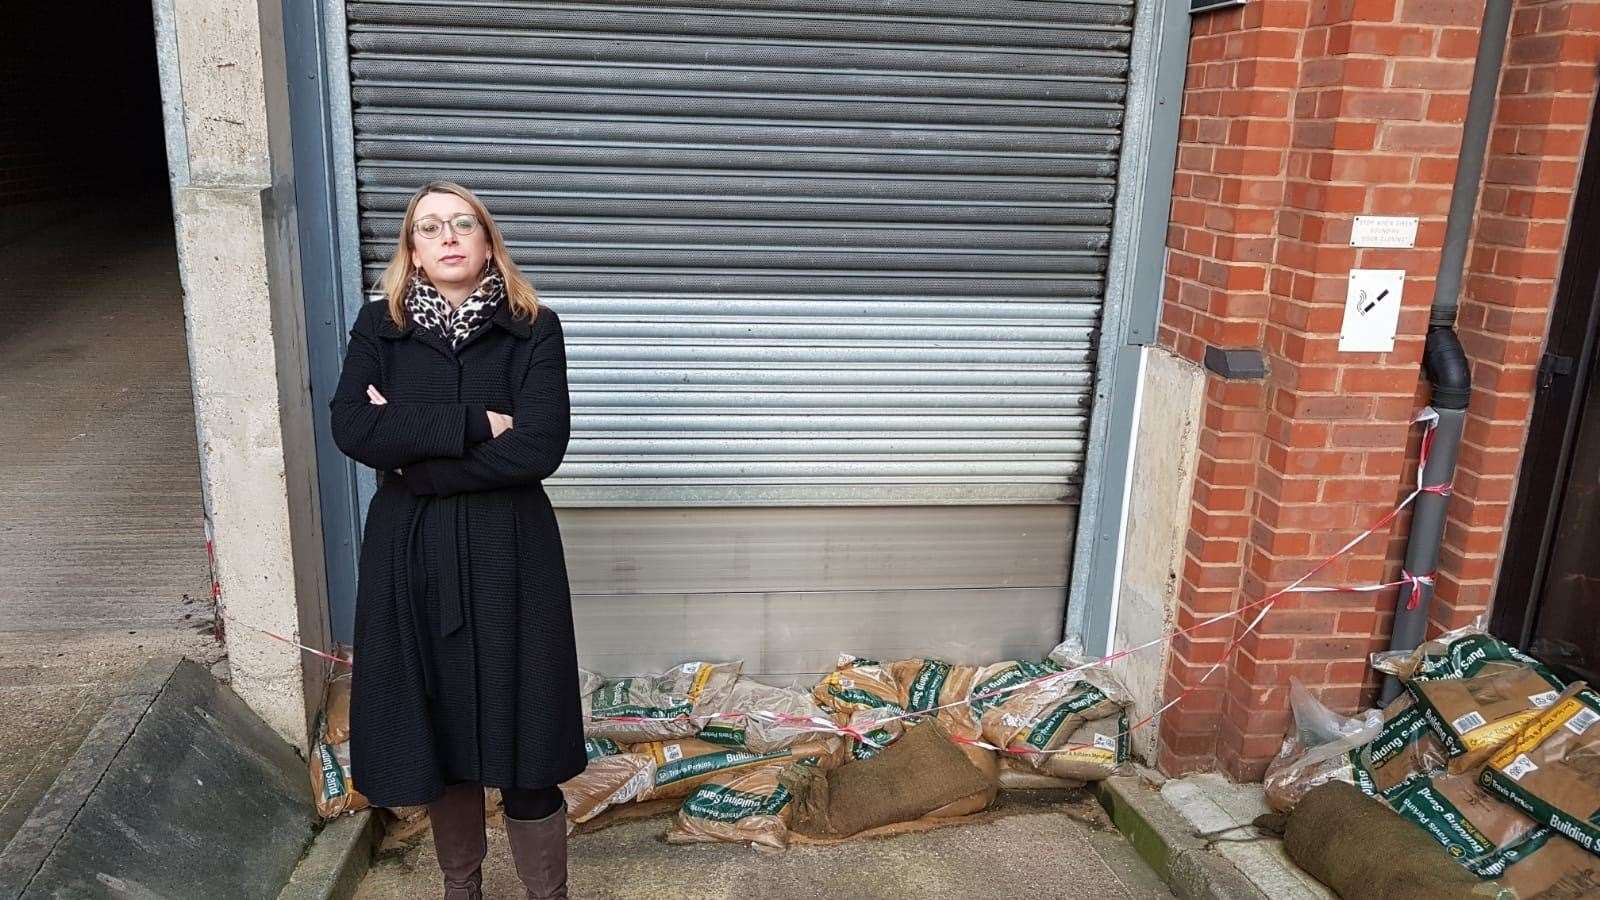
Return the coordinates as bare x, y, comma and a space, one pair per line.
1360, 109
1227, 194
1541, 125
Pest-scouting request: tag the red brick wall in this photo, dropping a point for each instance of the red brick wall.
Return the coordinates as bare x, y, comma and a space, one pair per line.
1298, 116
1541, 126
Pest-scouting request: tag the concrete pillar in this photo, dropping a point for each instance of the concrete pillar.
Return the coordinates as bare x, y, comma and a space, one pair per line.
225, 92
1165, 453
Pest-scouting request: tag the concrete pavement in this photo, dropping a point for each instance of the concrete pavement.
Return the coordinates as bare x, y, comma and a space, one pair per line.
1034, 844
102, 544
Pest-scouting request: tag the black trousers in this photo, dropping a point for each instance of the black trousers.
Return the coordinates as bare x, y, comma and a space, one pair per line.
530, 803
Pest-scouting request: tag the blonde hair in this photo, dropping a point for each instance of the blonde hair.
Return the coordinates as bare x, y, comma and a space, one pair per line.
396, 278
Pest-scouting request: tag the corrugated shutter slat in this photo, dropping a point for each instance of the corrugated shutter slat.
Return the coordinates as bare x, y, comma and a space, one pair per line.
807, 251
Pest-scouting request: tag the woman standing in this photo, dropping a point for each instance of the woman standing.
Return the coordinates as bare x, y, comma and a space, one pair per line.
466, 674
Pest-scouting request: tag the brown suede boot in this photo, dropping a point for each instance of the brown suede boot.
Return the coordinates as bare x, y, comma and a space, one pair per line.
539, 848
460, 839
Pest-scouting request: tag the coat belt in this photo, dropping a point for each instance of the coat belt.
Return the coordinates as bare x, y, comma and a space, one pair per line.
451, 521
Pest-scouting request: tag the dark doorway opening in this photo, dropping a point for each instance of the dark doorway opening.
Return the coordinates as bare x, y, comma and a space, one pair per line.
1548, 598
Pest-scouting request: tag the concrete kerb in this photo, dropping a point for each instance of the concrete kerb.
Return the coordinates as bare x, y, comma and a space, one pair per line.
1163, 839
337, 859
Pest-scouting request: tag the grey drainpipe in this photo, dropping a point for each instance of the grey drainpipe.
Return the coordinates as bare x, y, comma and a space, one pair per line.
1448, 370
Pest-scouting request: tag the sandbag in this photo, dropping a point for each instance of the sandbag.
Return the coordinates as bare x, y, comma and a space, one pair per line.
757, 735
1380, 755
684, 764
926, 684
857, 683
1016, 775
1363, 851
1470, 824
1094, 751
993, 685
1404, 748
332, 789
1551, 769
613, 777
1463, 653
401, 824
1317, 750
743, 806
1553, 868
660, 707
921, 773
881, 726
1039, 723
1473, 716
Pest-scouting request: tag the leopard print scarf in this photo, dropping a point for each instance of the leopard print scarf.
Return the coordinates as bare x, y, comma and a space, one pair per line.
428, 308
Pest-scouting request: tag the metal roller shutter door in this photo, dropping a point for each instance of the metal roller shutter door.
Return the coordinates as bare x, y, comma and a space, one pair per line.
807, 251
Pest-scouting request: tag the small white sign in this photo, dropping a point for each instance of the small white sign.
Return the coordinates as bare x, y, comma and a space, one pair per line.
1371, 310
1384, 231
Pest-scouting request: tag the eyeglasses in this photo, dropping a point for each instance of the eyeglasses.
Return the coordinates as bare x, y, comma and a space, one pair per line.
431, 228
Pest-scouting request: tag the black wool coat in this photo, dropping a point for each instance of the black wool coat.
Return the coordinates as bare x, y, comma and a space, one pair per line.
465, 662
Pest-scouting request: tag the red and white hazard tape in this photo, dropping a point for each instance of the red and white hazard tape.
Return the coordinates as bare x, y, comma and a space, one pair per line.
1263, 606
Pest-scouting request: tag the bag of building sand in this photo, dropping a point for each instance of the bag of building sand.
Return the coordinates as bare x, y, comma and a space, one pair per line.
1404, 748
331, 786
1547, 866
921, 775
744, 806
857, 683
881, 727
993, 685
1463, 653
1470, 824
1068, 729
1014, 774
933, 684
1473, 716
1551, 769
686, 763
926, 684
1378, 753
758, 735
613, 777
671, 704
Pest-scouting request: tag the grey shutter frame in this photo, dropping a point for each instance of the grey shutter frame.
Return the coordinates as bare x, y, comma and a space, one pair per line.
806, 251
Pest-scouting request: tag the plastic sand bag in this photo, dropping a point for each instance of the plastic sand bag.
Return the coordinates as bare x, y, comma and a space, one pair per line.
331, 786
1550, 770
1317, 750
684, 764
1466, 652
744, 806
857, 683
1473, 716
671, 704
613, 777
756, 734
